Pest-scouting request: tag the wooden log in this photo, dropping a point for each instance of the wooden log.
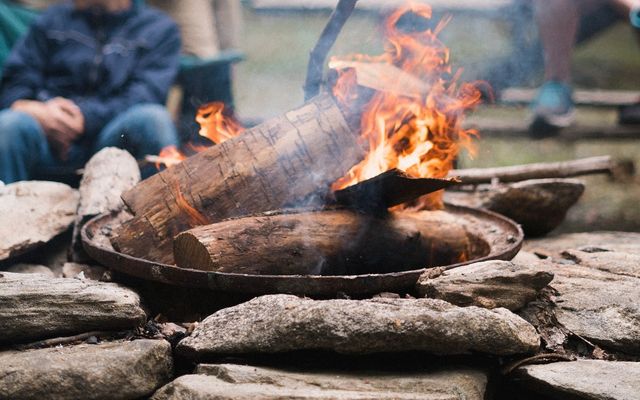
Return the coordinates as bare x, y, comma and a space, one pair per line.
108, 174
516, 173
287, 161
335, 242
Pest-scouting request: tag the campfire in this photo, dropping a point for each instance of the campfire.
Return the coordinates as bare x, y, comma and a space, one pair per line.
395, 116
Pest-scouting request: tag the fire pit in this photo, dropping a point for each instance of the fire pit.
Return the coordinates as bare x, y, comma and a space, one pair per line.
491, 237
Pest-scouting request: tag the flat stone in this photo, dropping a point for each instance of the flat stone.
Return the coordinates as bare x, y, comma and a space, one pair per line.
32, 213
228, 381
31, 269
584, 379
35, 307
280, 323
122, 370
489, 284
601, 306
626, 242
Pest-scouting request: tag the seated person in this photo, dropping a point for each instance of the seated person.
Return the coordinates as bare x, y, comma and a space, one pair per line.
88, 74
558, 24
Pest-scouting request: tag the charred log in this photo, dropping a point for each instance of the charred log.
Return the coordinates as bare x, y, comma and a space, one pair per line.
336, 242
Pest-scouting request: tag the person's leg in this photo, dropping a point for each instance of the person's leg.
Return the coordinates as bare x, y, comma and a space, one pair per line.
557, 22
23, 146
142, 130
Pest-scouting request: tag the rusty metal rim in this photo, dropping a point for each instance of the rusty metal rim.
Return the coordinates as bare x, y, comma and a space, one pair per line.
508, 231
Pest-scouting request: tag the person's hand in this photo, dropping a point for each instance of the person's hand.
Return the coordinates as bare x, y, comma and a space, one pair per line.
60, 119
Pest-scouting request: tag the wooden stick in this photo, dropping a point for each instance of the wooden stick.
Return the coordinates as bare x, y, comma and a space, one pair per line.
327, 38
516, 173
337, 242
67, 339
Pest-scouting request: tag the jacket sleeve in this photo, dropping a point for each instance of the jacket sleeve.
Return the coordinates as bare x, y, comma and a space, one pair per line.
23, 73
155, 72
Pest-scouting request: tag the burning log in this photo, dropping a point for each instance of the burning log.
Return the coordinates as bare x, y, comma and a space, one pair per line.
335, 242
286, 161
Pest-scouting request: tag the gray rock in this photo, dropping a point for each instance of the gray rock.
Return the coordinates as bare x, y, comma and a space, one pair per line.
489, 284
31, 269
279, 323
228, 381
584, 379
123, 370
32, 213
615, 262
539, 205
600, 306
626, 242
35, 307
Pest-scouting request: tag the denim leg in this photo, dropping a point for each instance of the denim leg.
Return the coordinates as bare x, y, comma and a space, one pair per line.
23, 146
142, 130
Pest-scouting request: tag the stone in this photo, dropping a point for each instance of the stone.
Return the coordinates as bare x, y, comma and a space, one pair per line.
229, 381
35, 307
584, 379
539, 205
280, 323
626, 242
32, 213
31, 269
73, 270
118, 370
609, 261
108, 174
488, 284
600, 306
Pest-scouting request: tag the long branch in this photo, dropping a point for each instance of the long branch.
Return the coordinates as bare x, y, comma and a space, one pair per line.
327, 38
516, 173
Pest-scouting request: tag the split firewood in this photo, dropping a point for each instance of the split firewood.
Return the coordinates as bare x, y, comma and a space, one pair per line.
388, 189
335, 242
287, 161
106, 176
517, 173
539, 205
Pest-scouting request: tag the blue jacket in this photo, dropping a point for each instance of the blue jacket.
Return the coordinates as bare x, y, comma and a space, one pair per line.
105, 63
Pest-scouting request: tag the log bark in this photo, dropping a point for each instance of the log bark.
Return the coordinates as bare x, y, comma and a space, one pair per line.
107, 175
287, 161
517, 173
338, 242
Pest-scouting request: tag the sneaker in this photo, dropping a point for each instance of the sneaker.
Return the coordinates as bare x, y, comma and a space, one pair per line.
629, 115
552, 109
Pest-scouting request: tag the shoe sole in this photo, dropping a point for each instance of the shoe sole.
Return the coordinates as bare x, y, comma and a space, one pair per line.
549, 125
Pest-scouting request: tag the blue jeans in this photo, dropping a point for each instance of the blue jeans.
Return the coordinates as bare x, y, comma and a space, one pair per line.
25, 152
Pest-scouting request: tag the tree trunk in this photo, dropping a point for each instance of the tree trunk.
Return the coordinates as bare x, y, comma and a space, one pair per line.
336, 242
288, 161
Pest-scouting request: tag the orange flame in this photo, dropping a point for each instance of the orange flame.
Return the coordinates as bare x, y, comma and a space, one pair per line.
214, 125
420, 132
194, 216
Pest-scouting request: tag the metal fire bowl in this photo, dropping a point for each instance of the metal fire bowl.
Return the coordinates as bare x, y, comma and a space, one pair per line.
503, 236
